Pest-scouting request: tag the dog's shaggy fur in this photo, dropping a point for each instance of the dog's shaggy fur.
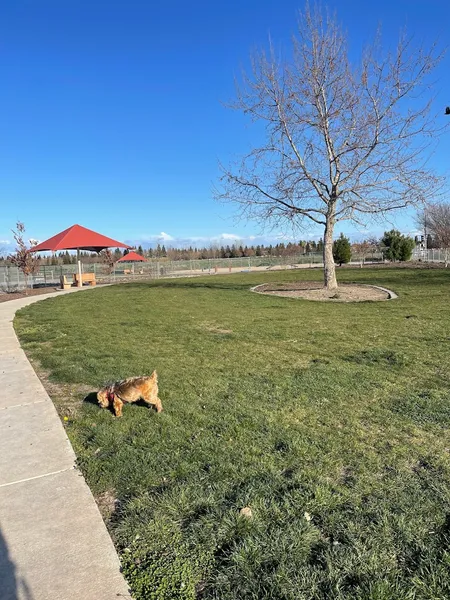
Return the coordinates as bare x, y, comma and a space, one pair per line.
130, 390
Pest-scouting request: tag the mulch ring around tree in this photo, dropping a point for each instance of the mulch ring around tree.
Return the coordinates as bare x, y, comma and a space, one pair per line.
313, 290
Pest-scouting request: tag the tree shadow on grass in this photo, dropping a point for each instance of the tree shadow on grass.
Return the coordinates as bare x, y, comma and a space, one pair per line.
197, 284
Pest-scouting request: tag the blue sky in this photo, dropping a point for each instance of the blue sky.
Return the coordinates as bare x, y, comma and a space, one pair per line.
112, 114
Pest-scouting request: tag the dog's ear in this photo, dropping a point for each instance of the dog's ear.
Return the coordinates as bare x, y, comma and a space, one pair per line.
154, 376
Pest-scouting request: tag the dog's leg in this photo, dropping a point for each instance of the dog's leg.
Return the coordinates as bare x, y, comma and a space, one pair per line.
117, 405
154, 401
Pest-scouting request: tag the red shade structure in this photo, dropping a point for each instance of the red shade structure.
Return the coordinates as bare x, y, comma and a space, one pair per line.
78, 238
132, 257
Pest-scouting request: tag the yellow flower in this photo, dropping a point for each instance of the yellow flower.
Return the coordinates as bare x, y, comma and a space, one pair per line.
66, 418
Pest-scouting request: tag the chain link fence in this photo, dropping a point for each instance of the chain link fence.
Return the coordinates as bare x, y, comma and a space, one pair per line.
12, 279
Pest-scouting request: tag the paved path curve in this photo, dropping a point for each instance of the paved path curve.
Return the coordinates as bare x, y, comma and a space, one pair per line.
53, 542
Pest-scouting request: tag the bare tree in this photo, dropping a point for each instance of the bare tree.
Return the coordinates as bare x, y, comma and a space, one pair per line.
23, 258
342, 141
108, 259
435, 220
362, 250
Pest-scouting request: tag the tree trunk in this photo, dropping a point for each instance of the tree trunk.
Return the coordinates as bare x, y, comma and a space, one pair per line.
329, 267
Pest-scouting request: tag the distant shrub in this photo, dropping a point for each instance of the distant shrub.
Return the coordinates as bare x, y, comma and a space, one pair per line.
397, 246
342, 250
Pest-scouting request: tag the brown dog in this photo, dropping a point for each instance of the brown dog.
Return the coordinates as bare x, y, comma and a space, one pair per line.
130, 390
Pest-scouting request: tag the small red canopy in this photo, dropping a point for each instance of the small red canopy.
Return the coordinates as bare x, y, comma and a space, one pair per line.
132, 257
78, 238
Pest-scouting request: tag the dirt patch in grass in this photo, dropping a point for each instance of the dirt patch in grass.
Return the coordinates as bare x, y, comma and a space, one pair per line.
214, 328
5, 296
67, 397
107, 504
312, 290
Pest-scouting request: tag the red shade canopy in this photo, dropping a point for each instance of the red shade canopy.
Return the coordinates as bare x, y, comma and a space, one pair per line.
78, 238
132, 257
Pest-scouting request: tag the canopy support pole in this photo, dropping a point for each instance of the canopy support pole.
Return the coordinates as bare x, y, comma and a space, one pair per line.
80, 279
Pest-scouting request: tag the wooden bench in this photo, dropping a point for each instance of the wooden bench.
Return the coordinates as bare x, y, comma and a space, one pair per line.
65, 285
88, 278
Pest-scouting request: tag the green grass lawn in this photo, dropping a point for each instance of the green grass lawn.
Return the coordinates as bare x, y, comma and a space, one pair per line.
330, 421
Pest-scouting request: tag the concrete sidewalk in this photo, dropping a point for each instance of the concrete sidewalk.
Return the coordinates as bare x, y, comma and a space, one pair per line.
53, 542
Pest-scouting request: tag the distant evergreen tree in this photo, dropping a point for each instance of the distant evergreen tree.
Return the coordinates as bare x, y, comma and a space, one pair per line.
342, 250
406, 248
397, 246
140, 250
258, 251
